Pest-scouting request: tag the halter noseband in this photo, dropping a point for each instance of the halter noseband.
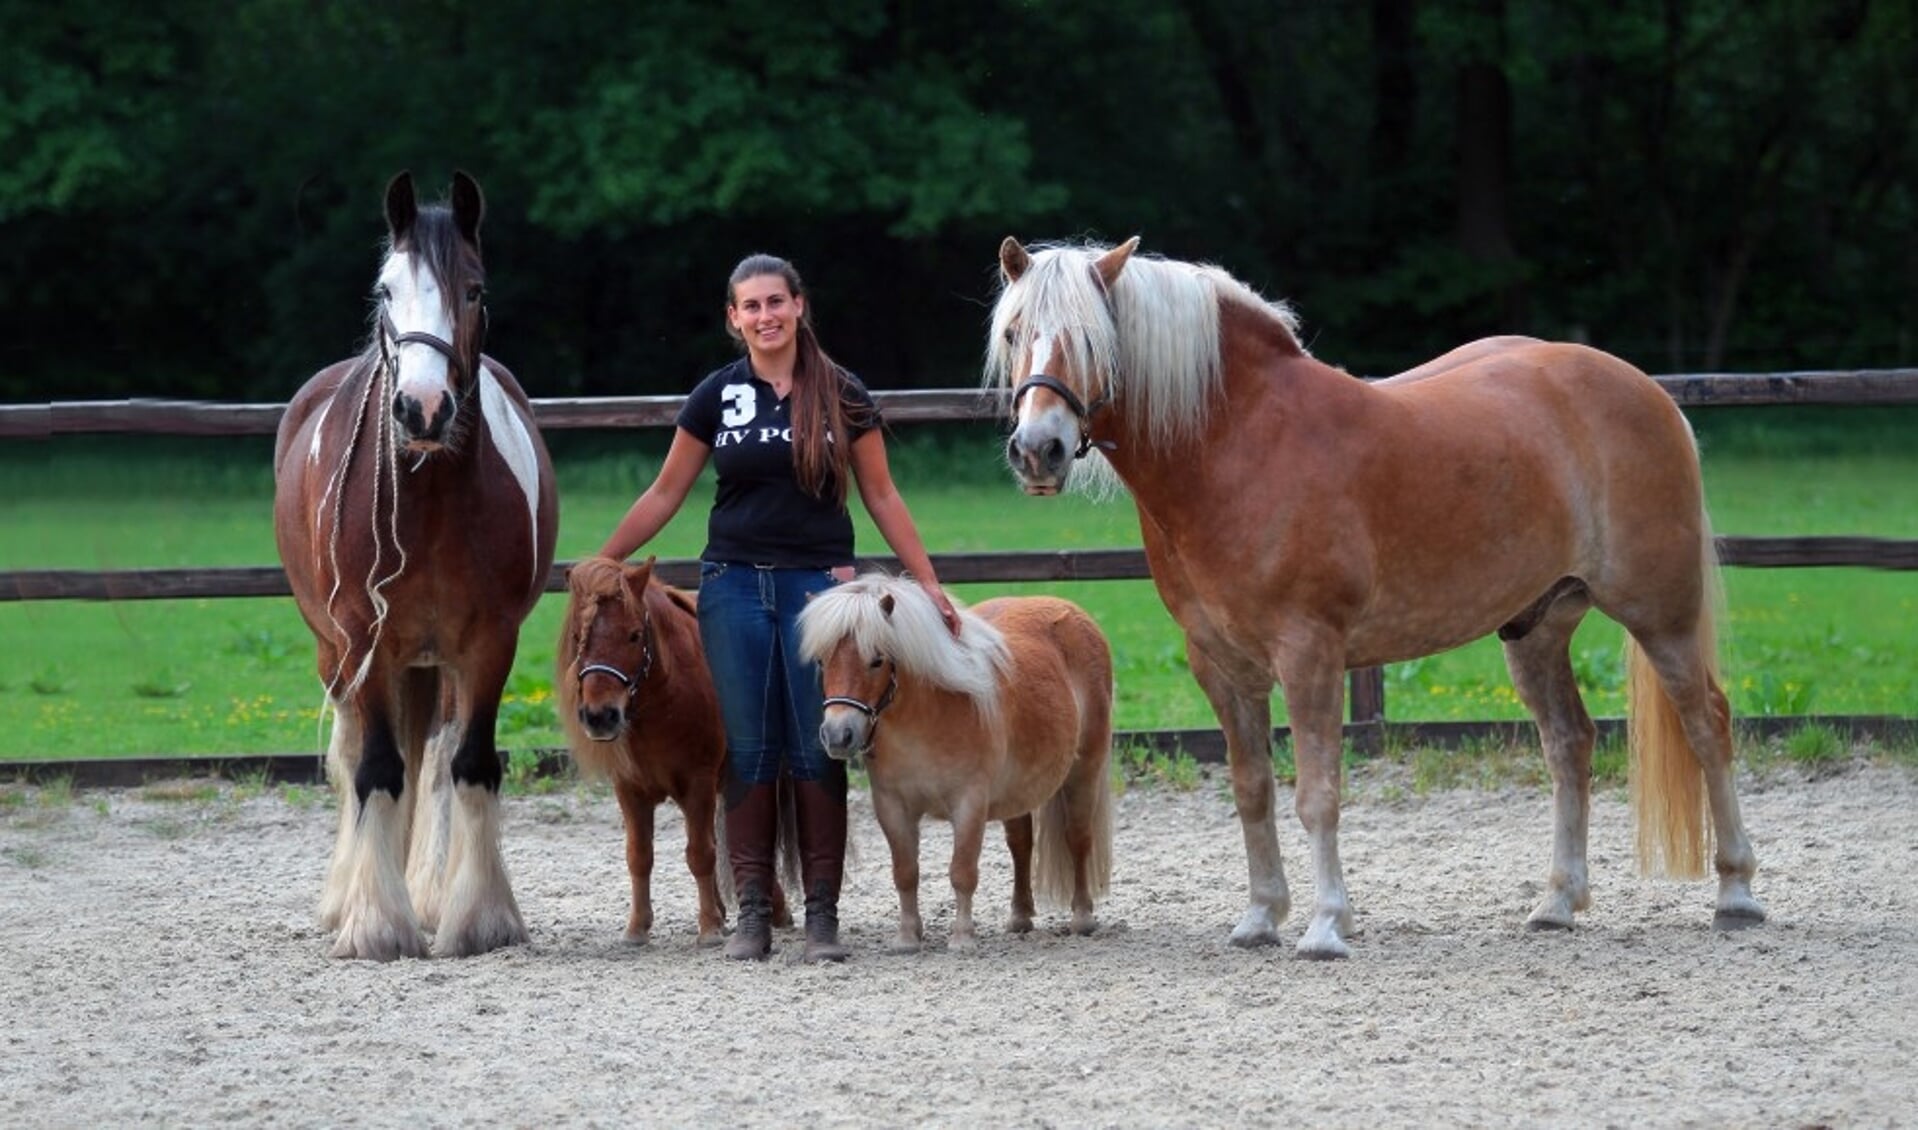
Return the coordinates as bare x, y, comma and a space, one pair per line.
420, 337
630, 682
1079, 409
872, 711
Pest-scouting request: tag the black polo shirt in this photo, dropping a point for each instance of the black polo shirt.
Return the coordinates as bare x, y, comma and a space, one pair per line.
760, 515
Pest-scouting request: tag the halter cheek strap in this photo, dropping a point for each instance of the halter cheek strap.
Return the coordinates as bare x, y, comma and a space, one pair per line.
1079, 409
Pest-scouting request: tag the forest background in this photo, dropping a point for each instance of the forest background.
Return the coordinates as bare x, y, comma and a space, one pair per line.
187, 189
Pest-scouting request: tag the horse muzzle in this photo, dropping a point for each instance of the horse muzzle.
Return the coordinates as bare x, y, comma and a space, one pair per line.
1041, 466
845, 737
423, 427
602, 723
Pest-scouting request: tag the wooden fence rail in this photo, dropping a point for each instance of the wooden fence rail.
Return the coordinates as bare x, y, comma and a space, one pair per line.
201, 418
194, 418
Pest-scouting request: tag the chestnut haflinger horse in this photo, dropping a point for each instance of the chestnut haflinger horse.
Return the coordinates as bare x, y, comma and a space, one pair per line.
1011, 721
415, 514
638, 708
1299, 522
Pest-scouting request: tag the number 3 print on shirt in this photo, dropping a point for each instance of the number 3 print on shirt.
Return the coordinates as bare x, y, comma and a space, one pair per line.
742, 404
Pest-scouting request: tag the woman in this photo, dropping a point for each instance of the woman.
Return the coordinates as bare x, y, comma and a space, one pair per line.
779, 531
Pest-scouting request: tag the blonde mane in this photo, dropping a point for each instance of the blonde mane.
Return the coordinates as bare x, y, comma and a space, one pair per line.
1154, 346
913, 636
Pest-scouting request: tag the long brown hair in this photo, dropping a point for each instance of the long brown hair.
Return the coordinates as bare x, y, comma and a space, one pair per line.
818, 389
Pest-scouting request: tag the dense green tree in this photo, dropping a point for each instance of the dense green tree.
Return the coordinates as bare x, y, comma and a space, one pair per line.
189, 192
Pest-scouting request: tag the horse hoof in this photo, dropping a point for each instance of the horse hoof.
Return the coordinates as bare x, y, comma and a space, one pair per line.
480, 935
1084, 926
1323, 943
1738, 917
1259, 925
711, 940
638, 937
1019, 924
903, 947
369, 942
1552, 913
963, 943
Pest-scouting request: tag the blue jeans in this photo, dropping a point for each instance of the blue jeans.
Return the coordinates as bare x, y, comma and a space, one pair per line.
768, 696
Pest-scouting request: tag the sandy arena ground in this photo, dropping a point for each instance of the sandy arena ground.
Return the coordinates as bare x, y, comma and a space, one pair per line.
159, 965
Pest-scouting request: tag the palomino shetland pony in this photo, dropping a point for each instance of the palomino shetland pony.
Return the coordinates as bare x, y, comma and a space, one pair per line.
415, 515
1011, 721
1299, 522
638, 708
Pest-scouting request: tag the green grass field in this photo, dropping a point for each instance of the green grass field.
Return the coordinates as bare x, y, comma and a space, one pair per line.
138, 678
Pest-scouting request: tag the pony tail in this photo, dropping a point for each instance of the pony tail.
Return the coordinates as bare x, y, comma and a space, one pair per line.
822, 453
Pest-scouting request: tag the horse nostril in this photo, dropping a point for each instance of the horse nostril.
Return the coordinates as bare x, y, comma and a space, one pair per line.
599, 721
1054, 452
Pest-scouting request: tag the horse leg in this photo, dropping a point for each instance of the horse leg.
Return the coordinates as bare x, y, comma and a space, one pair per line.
375, 916
702, 859
968, 840
1684, 672
1313, 678
902, 836
1541, 664
1019, 842
1245, 716
479, 913
428, 751
342, 760
637, 812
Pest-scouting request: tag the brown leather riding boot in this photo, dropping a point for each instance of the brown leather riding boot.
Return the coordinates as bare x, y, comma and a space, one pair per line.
822, 860
752, 821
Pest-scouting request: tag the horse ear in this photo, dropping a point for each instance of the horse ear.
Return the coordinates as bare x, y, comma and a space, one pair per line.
402, 207
469, 206
885, 605
637, 577
1013, 259
1113, 261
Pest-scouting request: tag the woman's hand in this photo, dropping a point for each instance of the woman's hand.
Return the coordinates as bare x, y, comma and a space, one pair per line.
944, 604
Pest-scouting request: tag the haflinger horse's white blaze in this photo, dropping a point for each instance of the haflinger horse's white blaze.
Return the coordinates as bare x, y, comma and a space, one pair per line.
1299, 521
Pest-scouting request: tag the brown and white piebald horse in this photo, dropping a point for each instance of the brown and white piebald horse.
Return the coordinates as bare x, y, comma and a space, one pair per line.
415, 514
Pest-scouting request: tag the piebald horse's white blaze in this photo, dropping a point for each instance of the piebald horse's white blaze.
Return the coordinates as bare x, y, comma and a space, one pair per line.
414, 305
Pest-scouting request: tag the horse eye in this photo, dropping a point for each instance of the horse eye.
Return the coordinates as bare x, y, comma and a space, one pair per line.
1009, 336
475, 292
383, 293
877, 662
634, 638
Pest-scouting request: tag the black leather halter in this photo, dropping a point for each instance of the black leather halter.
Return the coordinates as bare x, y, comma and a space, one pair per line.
461, 368
1079, 409
630, 682
872, 711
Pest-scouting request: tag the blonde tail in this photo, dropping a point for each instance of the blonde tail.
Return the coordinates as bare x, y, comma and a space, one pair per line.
1053, 871
1667, 783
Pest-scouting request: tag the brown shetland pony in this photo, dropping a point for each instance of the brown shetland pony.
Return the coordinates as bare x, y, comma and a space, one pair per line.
415, 513
638, 708
1299, 522
1011, 721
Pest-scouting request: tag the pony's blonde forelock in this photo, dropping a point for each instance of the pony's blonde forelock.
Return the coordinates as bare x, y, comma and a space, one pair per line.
1153, 345
914, 636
